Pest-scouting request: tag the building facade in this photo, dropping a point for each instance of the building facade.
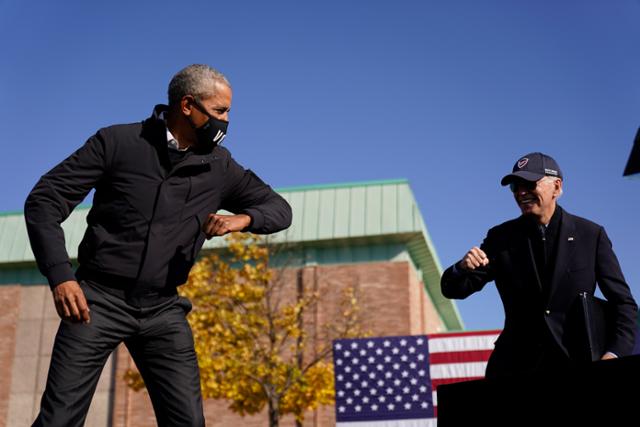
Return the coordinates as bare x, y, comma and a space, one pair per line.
369, 236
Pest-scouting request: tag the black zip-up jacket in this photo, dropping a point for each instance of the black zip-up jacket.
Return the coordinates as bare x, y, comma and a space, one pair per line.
145, 225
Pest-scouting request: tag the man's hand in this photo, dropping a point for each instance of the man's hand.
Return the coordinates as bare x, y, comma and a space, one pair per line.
219, 225
473, 259
608, 356
70, 302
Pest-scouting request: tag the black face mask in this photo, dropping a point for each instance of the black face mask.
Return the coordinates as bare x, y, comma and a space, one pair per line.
212, 132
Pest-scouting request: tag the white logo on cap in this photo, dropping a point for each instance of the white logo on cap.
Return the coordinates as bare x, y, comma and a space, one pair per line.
522, 162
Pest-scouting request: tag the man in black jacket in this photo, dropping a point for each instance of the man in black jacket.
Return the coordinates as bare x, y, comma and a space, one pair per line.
158, 185
540, 262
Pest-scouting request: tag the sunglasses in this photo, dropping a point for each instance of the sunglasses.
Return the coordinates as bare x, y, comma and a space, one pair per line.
521, 183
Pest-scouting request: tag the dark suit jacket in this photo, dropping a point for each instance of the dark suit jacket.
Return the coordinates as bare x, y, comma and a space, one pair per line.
584, 257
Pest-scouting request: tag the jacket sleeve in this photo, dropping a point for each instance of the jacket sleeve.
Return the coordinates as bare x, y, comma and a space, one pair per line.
245, 193
616, 290
457, 283
53, 199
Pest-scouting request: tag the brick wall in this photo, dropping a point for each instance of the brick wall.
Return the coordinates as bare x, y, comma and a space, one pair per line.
10, 303
28, 324
392, 300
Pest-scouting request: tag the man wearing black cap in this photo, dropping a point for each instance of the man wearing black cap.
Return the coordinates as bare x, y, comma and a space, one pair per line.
540, 262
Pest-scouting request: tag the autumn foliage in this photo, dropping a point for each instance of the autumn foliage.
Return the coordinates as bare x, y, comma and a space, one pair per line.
256, 345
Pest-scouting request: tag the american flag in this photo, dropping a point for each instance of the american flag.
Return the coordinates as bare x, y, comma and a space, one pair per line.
392, 381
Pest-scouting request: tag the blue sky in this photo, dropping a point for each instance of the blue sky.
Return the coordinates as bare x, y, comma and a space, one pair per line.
447, 94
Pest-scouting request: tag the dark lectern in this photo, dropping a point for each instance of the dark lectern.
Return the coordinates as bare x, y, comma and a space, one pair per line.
602, 393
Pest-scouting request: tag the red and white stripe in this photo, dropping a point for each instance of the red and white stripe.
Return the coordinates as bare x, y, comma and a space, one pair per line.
459, 356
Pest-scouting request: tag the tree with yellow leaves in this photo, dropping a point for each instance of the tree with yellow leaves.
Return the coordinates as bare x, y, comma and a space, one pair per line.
256, 343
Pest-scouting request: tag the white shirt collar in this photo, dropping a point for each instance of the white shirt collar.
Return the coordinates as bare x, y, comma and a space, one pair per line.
172, 142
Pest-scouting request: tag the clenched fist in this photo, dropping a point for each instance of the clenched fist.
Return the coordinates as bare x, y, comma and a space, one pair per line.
219, 225
473, 259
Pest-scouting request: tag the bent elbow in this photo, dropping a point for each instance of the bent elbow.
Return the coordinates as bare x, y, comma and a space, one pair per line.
287, 217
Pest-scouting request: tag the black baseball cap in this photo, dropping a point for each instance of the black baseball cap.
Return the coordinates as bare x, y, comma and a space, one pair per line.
532, 167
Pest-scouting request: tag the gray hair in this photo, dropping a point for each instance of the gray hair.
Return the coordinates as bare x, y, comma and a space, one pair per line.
551, 180
198, 80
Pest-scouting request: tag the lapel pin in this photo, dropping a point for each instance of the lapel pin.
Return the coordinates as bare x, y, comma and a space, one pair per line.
570, 239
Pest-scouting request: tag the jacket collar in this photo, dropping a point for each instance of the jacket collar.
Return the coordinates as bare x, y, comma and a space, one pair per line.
565, 247
154, 130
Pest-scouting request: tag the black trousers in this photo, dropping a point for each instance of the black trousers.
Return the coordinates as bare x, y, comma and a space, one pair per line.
160, 341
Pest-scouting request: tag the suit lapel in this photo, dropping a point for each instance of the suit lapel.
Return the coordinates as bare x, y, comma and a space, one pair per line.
532, 264
566, 246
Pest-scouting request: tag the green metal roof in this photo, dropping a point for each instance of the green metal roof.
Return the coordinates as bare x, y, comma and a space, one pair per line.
352, 213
